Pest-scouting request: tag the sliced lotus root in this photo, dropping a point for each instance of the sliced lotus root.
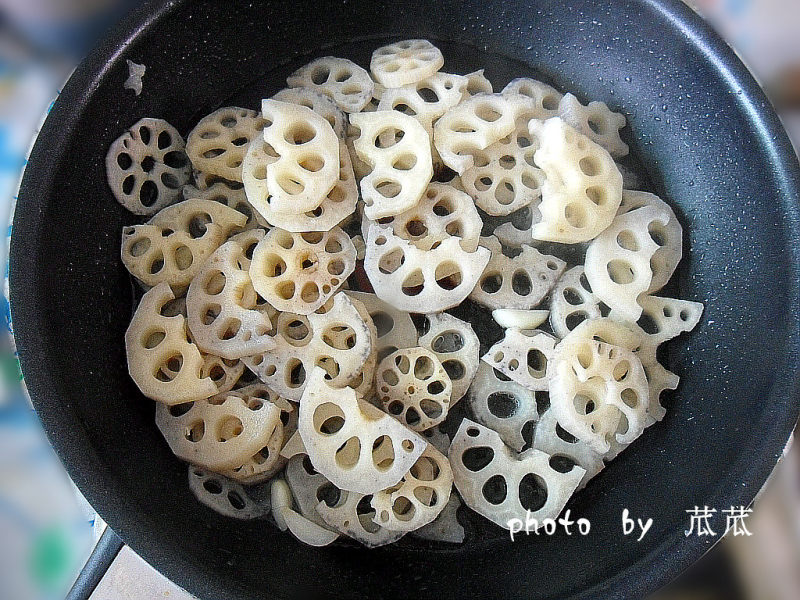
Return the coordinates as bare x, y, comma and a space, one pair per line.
339, 204
234, 198
397, 148
320, 103
596, 121
413, 386
442, 212
340, 79
340, 341
218, 142
565, 449
572, 302
146, 167
474, 125
524, 357
547, 98
258, 157
352, 443
223, 372
360, 168
308, 157
477, 83
437, 438
632, 337
445, 527
520, 282
455, 344
419, 497
503, 177
218, 434
518, 318
224, 496
583, 187
226, 316
394, 328
669, 237
353, 516
309, 488
666, 318
154, 341
502, 405
203, 181
500, 484
598, 392
421, 281
618, 261
299, 272
200, 218
426, 100
404, 63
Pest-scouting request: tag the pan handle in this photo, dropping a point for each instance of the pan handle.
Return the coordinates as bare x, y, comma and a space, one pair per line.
104, 553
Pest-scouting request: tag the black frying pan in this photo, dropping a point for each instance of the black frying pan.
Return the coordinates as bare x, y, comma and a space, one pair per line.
704, 137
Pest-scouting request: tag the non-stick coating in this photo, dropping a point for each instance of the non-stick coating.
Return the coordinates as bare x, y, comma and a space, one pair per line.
710, 144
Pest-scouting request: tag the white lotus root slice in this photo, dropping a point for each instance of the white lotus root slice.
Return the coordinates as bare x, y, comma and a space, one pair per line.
669, 237
524, 357
397, 148
565, 449
218, 435
223, 372
618, 261
320, 103
596, 389
518, 318
226, 316
667, 318
340, 341
200, 218
337, 206
299, 272
342, 80
502, 404
426, 100
442, 212
309, 488
264, 464
421, 281
353, 516
146, 167
234, 198
360, 168
445, 527
492, 478
520, 282
572, 302
545, 96
632, 337
308, 157
413, 386
457, 347
258, 157
352, 443
477, 83
582, 189
154, 341
218, 142
473, 125
596, 121
419, 497
224, 496
405, 62
503, 177
394, 328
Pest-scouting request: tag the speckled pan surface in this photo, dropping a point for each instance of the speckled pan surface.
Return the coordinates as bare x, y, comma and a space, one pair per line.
705, 138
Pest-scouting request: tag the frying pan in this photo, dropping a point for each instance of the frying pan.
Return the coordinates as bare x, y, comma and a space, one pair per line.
702, 135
